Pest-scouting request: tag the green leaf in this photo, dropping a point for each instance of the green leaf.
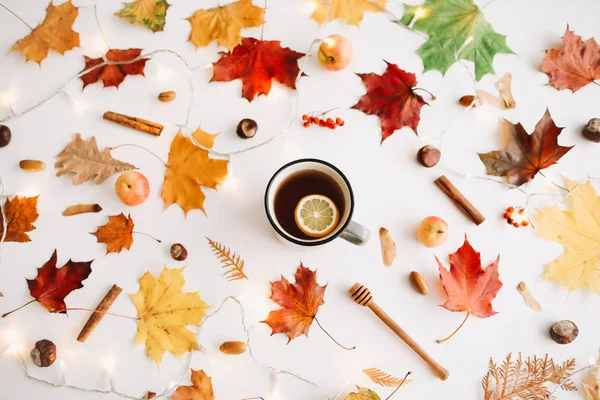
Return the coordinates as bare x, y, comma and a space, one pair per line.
450, 24
149, 13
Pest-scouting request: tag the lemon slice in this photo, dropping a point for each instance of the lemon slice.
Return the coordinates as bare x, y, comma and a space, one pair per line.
316, 215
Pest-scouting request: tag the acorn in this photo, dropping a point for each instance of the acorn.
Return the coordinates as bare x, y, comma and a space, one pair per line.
592, 130
44, 353
178, 252
418, 283
428, 156
165, 97
32, 165
246, 128
233, 348
5, 136
564, 332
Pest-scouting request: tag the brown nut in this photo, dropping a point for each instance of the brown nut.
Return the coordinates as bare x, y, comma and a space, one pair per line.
233, 348
178, 252
5, 136
32, 165
467, 100
428, 156
592, 130
165, 97
419, 283
246, 128
44, 353
564, 332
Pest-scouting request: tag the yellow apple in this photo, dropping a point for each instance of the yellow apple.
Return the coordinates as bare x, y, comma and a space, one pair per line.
132, 188
432, 231
335, 52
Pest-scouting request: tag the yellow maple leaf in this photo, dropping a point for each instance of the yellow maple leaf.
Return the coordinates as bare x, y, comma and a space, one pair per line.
55, 32
149, 13
578, 230
204, 138
164, 311
188, 169
352, 11
224, 23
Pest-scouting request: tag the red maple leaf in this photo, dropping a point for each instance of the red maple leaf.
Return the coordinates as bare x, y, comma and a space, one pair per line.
391, 97
526, 155
52, 285
575, 65
114, 75
256, 62
469, 287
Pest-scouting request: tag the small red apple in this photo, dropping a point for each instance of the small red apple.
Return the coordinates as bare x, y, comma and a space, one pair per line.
132, 188
432, 232
335, 52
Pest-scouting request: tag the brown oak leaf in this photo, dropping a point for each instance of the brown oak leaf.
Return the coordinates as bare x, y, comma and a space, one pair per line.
392, 98
256, 63
574, 66
300, 303
469, 287
114, 75
189, 168
52, 285
526, 155
86, 161
55, 32
21, 213
201, 388
117, 234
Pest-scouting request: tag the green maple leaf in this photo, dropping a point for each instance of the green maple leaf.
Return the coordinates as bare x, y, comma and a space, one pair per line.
149, 13
450, 24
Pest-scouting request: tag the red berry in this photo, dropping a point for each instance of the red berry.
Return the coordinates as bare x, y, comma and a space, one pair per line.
524, 223
321, 123
317, 120
339, 121
521, 211
331, 126
329, 121
304, 117
306, 124
510, 209
509, 221
507, 215
516, 224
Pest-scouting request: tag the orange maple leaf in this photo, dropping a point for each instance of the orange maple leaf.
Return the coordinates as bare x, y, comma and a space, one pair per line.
56, 33
468, 286
201, 388
256, 63
114, 75
117, 234
20, 214
189, 168
574, 66
300, 302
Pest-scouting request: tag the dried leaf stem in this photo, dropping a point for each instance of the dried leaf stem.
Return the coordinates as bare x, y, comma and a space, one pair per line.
146, 234
18, 308
457, 329
99, 312
331, 337
16, 16
139, 147
399, 386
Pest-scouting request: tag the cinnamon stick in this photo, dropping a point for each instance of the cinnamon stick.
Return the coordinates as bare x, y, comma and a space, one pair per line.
139, 124
459, 199
96, 317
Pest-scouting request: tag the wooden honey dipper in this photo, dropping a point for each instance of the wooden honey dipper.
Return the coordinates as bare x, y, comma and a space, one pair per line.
362, 295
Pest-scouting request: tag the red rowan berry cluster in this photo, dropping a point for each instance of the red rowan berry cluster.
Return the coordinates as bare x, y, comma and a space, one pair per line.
328, 123
517, 221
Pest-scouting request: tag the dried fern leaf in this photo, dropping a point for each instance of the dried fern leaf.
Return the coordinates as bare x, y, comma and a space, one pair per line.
382, 378
528, 380
232, 263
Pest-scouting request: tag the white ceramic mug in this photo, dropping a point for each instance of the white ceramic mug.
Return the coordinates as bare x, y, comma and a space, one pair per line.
346, 229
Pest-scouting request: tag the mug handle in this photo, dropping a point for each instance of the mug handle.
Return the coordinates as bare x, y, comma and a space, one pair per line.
356, 234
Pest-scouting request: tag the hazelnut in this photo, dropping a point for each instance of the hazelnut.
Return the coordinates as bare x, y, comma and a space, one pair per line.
590, 132
247, 128
428, 156
178, 252
564, 332
44, 353
5, 136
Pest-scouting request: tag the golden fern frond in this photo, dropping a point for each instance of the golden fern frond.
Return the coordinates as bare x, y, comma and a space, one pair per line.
527, 380
382, 378
231, 262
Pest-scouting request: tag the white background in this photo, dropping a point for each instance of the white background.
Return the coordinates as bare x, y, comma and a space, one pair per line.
391, 190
